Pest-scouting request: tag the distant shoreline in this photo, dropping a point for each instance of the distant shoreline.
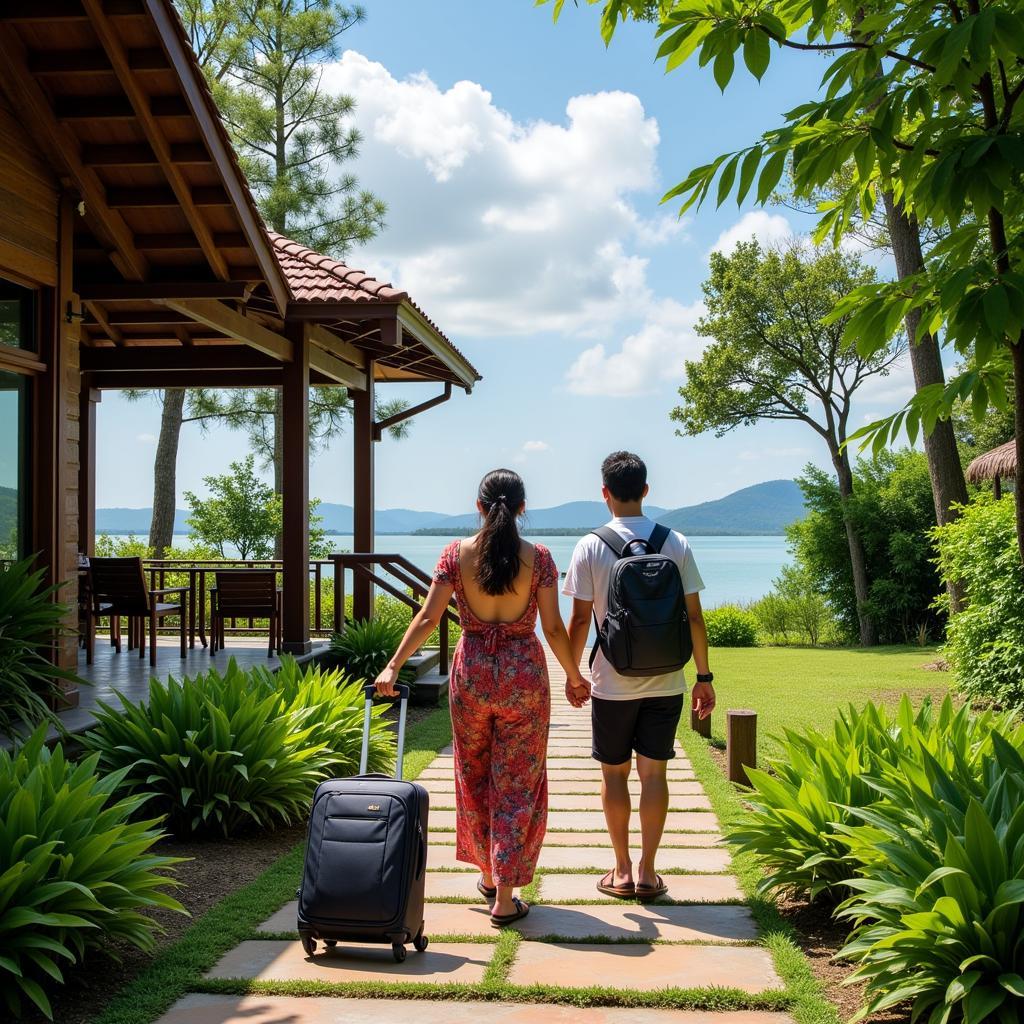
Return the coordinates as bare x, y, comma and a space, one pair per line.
469, 531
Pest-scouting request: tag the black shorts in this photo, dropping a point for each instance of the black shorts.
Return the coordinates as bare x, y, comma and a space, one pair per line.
647, 725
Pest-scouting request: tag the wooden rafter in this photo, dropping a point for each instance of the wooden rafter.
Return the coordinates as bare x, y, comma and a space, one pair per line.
343, 350
89, 62
336, 370
205, 114
62, 149
232, 323
120, 60
99, 314
222, 358
159, 291
139, 154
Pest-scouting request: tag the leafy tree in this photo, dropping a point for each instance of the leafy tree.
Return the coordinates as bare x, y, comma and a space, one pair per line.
894, 514
773, 356
985, 641
244, 513
232, 40
921, 100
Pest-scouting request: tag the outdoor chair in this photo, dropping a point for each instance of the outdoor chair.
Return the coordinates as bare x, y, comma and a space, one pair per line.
118, 588
245, 594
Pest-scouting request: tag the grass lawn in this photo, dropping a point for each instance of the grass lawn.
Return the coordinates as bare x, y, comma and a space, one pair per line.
799, 686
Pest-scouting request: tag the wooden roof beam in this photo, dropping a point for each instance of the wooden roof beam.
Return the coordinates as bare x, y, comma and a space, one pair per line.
120, 60
343, 350
269, 378
99, 314
89, 62
232, 323
336, 370
62, 10
158, 197
138, 154
155, 359
62, 149
92, 108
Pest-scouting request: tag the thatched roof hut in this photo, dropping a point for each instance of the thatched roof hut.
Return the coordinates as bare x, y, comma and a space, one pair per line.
996, 465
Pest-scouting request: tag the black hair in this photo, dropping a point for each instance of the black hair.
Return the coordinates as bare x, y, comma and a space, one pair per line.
501, 496
625, 476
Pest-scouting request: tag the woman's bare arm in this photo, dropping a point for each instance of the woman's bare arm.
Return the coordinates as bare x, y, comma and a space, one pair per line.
558, 639
423, 624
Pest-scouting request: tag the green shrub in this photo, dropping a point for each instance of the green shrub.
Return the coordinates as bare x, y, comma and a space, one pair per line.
75, 870
730, 626
364, 648
939, 917
985, 641
222, 752
775, 618
815, 788
30, 623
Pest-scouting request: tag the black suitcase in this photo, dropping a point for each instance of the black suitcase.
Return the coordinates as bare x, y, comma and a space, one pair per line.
366, 856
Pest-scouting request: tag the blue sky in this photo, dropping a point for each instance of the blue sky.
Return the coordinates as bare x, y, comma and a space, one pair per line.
523, 164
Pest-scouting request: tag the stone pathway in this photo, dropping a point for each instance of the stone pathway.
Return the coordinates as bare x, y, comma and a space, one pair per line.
701, 936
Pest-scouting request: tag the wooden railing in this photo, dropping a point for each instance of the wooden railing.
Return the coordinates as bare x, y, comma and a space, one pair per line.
403, 581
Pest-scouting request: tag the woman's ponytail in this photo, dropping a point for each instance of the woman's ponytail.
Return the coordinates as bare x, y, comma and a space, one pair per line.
501, 496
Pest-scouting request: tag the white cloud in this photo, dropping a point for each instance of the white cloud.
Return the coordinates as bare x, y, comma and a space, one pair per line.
648, 358
146, 438
505, 227
536, 446
767, 228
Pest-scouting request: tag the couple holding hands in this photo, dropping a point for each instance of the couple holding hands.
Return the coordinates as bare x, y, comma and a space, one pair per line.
639, 583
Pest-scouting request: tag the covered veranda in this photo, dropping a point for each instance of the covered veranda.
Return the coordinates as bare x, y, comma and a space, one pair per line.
128, 234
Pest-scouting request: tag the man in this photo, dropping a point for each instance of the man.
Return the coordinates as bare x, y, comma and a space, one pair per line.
633, 713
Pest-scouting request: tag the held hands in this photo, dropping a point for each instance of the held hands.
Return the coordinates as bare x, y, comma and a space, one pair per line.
703, 697
386, 681
577, 690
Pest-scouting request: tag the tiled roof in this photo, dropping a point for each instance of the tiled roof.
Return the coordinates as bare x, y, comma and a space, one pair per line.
315, 278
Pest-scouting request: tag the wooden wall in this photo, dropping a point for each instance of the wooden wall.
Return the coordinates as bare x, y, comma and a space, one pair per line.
29, 200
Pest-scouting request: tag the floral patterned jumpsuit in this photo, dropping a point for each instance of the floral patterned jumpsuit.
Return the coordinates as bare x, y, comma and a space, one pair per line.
501, 707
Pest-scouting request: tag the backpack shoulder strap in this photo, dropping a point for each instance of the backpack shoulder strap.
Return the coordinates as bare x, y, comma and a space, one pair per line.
658, 536
611, 538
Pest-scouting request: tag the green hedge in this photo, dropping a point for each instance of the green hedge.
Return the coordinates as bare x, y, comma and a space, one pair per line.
731, 626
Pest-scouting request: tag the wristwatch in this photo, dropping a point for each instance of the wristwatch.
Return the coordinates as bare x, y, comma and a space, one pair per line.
705, 677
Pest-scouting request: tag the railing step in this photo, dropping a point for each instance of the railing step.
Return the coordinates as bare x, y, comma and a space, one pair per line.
423, 662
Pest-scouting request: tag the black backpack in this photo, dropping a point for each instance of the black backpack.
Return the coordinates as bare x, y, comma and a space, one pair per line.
646, 631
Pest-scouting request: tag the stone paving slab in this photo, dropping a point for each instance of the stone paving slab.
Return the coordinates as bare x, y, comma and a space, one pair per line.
593, 821
272, 960
600, 858
584, 771
706, 923
685, 888
645, 968
216, 1009
555, 762
669, 840
557, 784
583, 802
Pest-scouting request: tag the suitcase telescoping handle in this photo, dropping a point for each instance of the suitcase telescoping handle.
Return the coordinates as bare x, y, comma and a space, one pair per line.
403, 692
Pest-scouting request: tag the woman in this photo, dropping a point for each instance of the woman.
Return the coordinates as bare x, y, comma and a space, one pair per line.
499, 692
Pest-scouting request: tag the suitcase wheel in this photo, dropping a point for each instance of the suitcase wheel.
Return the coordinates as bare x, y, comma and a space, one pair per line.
398, 952
308, 943
421, 941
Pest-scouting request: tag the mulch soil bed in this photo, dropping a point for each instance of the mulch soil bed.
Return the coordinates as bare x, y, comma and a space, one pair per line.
215, 869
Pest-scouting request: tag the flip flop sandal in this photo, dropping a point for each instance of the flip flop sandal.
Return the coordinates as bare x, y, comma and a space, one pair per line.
488, 894
619, 892
522, 909
648, 893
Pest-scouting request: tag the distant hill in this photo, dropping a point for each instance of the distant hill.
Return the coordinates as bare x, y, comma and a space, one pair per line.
8, 514
766, 508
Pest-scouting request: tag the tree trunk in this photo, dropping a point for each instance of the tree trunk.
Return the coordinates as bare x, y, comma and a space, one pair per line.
858, 561
949, 488
165, 472
1018, 391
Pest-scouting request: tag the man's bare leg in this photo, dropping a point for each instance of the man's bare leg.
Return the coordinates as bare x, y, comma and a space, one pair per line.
617, 809
653, 811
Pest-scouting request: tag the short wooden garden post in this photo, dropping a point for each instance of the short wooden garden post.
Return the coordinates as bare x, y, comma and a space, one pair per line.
741, 743
701, 726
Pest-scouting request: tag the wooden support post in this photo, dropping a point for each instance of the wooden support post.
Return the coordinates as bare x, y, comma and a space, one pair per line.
741, 744
295, 497
363, 491
701, 726
88, 400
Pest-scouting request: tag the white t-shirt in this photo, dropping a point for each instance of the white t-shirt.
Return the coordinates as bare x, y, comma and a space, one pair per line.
587, 578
